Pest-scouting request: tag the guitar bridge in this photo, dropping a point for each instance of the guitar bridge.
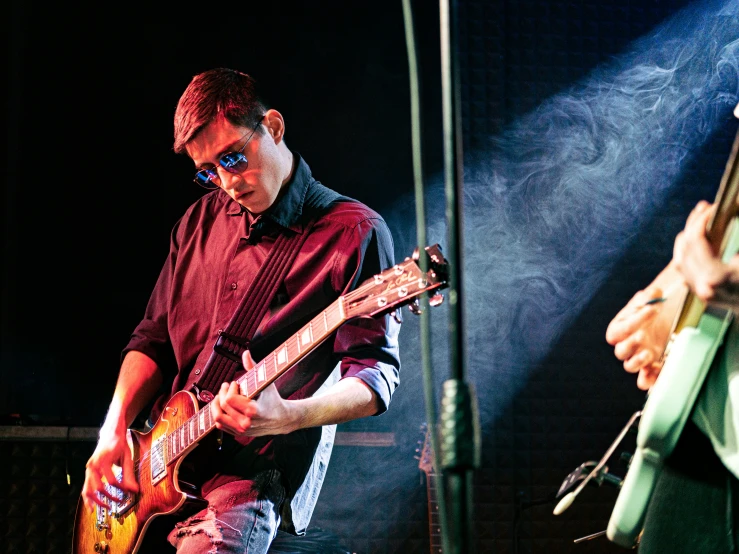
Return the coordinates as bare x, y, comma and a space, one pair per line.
117, 508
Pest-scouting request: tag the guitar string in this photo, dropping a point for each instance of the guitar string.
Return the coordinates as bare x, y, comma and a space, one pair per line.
290, 342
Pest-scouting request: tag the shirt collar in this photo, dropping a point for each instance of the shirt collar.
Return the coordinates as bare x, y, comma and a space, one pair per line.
288, 208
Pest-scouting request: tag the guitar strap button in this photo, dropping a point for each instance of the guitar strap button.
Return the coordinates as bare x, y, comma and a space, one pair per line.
202, 395
205, 396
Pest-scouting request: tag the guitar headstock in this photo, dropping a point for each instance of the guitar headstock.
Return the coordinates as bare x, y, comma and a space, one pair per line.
400, 285
426, 457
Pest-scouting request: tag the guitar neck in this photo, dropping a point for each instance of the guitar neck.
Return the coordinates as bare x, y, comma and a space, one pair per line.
692, 307
380, 294
433, 481
256, 379
435, 537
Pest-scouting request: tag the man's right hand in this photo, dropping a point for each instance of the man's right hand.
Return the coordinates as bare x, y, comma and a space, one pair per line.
112, 450
639, 336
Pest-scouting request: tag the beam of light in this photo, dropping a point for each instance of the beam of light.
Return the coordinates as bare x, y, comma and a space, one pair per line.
560, 196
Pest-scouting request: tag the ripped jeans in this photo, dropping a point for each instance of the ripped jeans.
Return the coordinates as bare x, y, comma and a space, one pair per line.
242, 517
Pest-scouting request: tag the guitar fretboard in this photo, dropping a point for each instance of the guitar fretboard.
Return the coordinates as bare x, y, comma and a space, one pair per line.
260, 376
435, 537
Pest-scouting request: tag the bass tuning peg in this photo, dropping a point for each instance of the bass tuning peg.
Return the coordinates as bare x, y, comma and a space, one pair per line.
436, 299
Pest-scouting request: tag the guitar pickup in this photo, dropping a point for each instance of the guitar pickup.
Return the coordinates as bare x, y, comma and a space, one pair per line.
158, 463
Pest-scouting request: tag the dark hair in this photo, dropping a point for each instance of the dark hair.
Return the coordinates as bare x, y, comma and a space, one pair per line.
216, 93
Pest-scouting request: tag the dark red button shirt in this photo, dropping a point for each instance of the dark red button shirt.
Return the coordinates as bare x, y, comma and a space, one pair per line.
216, 249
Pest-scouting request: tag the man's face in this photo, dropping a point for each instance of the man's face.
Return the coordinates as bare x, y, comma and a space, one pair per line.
256, 187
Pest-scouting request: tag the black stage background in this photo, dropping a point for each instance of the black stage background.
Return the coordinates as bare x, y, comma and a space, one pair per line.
92, 189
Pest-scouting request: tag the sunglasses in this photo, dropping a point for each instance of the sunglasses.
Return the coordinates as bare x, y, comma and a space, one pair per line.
233, 162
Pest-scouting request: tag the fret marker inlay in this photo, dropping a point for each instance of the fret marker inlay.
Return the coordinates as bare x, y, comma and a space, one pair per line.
282, 356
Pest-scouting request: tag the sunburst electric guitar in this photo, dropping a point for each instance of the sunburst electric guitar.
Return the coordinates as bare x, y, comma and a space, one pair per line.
695, 337
157, 454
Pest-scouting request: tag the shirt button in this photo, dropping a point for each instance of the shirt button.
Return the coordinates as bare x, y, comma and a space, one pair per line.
234, 286
197, 372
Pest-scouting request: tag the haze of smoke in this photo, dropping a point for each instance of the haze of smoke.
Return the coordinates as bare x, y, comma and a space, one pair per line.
559, 196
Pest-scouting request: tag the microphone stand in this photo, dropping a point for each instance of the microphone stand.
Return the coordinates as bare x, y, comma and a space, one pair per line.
598, 473
423, 302
460, 431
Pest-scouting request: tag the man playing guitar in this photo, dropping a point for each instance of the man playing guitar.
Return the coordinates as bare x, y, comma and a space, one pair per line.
265, 471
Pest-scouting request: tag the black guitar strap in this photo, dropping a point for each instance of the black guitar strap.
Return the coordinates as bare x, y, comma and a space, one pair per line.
225, 360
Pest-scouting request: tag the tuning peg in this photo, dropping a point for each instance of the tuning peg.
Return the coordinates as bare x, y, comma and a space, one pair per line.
436, 300
414, 307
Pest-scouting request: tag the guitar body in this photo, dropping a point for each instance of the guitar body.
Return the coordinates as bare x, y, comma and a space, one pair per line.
123, 533
663, 419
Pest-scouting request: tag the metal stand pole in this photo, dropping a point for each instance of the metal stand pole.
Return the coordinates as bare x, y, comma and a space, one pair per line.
460, 433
